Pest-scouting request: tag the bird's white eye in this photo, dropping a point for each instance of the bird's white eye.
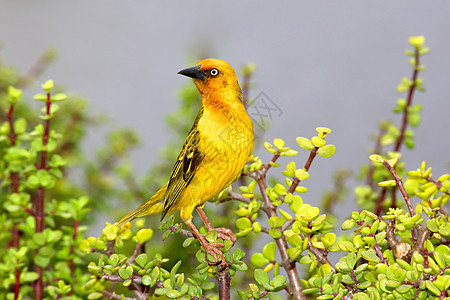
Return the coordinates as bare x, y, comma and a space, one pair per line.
214, 72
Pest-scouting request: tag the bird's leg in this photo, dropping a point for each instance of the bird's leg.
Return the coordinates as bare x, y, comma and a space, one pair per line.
223, 233
211, 248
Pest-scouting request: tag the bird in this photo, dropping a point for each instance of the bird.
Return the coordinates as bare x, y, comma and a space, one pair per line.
212, 156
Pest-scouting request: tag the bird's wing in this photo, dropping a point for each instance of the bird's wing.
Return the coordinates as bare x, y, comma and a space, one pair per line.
185, 167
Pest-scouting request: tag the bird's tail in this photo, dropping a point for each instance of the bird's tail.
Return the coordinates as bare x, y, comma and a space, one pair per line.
153, 206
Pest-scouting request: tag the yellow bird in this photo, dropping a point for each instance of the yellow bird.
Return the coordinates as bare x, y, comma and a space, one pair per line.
213, 155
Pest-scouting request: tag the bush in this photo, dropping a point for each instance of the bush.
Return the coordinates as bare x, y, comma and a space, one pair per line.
393, 249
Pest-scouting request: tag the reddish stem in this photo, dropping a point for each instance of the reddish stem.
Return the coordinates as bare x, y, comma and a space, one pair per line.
39, 214
12, 135
411, 90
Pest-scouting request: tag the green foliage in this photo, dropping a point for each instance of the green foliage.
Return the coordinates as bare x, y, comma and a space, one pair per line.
391, 249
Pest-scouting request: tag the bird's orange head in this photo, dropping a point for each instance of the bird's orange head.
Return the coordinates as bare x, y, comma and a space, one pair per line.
213, 77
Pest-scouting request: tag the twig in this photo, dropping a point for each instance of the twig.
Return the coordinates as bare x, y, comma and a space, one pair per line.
15, 182
134, 279
267, 166
39, 213
380, 201
135, 253
439, 186
308, 163
290, 267
115, 296
404, 124
411, 90
377, 150
235, 196
185, 232
321, 257
399, 183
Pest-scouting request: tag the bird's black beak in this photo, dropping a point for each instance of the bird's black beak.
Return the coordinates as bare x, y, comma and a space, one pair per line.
193, 72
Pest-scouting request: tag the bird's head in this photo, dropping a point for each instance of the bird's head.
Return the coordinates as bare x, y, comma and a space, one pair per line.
213, 76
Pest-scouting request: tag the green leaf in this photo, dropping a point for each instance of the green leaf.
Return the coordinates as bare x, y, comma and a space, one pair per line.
59, 97
173, 294
141, 259
269, 251
274, 296
327, 150
211, 236
376, 158
42, 261
432, 288
351, 259
95, 295
261, 277
301, 174
28, 277
40, 97
259, 260
127, 282
146, 280
275, 233
238, 255
278, 281
48, 86
20, 126
243, 223
387, 183
348, 224
276, 222
279, 143
123, 273
144, 235
318, 141
305, 143
208, 285
370, 255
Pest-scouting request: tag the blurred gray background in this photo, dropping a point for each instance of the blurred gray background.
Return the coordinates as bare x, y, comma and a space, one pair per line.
324, 63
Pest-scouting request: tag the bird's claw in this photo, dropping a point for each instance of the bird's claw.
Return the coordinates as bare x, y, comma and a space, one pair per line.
213, 249
226, 234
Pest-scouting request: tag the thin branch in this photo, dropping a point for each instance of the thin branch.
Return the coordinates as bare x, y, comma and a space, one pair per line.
321, 256
39, 212
235, 196
267, 166
135, 253
115, 296
439, 186
409, 98
307, 166
380, 201
399, 183
290, 267
377, 150
185, 232
134, 279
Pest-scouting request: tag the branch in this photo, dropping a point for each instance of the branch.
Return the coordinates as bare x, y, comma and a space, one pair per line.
377, 150
411, 90
134, 279
235, 196
439, 186
399, 183
307, 166
224, 280
185, 232
115, 296
39, 213
289, 267
320, 255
